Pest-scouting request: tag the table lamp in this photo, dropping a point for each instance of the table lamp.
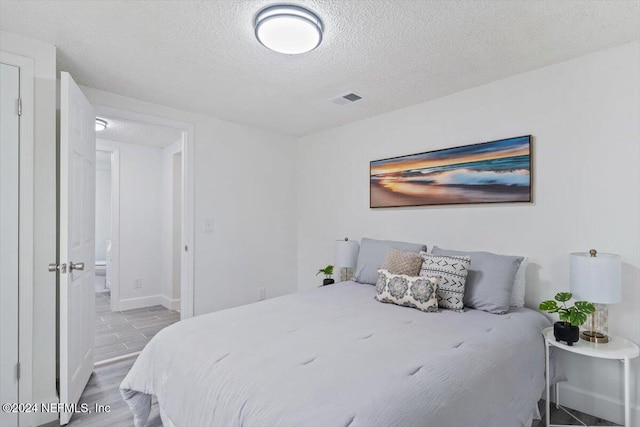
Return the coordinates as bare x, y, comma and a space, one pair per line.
596, 278
346, 257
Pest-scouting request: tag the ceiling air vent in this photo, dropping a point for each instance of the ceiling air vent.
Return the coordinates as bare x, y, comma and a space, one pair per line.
346, 99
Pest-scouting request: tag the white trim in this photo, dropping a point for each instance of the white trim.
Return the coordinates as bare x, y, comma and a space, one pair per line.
187, 271
117, 359
171, 304
596, 404
140, 302
188, 198
115, 223
25, 228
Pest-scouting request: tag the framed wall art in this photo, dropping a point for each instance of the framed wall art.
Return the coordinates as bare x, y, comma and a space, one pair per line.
489, 172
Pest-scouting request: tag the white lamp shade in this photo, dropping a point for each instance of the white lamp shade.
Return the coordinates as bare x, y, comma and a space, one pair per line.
596, 279
346, 253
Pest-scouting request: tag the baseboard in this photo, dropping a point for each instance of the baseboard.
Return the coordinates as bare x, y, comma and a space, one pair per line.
116, 359
141, 302
596, 404
171, 304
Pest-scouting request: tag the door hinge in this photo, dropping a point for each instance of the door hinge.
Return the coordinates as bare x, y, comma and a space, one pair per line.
19, 106
18, 370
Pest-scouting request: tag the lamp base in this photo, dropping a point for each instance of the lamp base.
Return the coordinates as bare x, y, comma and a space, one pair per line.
594, 336
346, 274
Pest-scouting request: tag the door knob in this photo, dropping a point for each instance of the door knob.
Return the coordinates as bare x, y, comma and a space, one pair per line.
55, 267
76, 266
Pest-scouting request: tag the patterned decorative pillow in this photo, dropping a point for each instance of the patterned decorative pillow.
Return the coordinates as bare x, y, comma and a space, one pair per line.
399, 262
453, 271
417, 292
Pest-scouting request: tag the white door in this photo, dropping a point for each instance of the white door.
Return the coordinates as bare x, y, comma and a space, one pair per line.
77, 241
9, 131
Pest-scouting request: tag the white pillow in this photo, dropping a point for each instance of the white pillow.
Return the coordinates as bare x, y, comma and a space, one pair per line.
408, 291
453, 271
517, 293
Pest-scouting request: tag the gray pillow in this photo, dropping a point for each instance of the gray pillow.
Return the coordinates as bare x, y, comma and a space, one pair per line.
490, 279
371, 256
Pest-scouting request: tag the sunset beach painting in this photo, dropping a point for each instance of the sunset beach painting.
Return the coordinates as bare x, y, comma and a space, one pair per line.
490, 172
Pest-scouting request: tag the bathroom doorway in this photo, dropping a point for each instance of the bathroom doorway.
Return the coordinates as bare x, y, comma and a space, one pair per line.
139, 222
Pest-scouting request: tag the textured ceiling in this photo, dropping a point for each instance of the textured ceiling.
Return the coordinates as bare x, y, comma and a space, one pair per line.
138, 133
202, 55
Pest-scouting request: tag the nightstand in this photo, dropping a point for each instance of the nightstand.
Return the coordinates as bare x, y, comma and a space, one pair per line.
617, 349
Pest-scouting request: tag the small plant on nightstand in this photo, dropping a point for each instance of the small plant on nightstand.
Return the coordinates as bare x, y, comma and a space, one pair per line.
567, 329
328, 272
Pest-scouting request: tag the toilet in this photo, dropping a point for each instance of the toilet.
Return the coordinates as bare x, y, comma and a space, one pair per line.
103, 282
101, 276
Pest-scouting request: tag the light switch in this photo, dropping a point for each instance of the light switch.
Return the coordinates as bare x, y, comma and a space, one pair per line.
208, 225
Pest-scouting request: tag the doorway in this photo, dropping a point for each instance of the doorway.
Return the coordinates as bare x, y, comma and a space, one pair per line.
139, 222
75, 267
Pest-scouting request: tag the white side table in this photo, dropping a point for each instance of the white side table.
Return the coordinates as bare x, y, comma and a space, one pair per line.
617, 348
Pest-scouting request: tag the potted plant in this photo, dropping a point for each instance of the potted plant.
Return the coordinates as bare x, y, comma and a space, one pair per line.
567, 329
328, 272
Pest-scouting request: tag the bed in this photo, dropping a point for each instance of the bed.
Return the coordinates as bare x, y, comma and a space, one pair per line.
334, 356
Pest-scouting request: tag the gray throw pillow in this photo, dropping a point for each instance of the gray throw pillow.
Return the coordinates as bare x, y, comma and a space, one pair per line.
371, 256
490, 279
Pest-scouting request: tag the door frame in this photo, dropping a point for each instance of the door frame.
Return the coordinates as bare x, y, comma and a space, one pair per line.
25, 226
188, 196
115, 221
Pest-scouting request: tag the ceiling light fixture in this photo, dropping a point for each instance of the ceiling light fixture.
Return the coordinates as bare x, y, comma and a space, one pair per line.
101, 124
288, 29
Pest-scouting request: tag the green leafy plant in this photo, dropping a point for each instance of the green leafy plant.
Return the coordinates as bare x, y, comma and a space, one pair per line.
327, 271
575, 315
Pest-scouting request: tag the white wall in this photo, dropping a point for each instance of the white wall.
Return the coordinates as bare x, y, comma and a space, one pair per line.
584, 117
171, 231
103, 208
140, 223
44, 283
245, 181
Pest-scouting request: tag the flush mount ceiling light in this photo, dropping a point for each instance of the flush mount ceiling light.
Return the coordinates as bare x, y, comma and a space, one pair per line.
101, 124
288, 29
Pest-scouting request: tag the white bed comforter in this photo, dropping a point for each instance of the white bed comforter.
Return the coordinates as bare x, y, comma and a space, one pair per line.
335, 357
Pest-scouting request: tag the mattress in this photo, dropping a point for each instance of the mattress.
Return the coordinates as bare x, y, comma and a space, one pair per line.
334, 356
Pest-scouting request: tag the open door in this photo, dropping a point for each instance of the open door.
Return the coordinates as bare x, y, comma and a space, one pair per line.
77, 242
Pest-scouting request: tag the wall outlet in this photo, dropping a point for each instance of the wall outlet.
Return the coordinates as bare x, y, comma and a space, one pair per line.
208, 225
137, 284
262, 294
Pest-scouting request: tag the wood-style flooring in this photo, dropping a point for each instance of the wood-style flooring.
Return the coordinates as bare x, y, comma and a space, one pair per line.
558, 416
123, 332
103, 388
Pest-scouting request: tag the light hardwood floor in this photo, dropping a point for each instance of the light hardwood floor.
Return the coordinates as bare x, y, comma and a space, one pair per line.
560, 417
123, 332
103, 388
